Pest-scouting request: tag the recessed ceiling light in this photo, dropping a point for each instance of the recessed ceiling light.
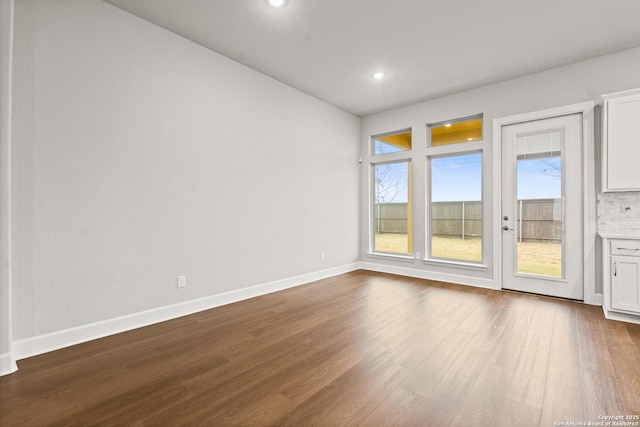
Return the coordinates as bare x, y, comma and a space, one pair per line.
447, 125
276, 3
379, 75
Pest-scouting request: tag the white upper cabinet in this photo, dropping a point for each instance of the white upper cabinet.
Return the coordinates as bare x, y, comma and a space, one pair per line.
621, 141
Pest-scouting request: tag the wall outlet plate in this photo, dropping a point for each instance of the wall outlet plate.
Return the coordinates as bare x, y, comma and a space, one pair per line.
630, 223
182, 281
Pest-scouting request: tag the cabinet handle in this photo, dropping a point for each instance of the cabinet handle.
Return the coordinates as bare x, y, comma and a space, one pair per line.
615, 268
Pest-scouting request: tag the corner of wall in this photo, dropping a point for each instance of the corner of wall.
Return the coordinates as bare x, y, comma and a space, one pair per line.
7, 361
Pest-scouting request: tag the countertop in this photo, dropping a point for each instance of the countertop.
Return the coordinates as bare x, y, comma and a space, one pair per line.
619, 236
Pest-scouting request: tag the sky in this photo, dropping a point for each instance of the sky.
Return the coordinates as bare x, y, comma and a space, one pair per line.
456, 178
539, 179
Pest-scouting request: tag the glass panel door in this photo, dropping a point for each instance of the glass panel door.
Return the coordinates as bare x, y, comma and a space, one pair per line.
539, 210
542, 224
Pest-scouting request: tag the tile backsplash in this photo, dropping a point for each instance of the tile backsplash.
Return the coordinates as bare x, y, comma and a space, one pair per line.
619, 214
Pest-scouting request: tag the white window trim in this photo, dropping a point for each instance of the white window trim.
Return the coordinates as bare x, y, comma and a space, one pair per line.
458, 264
388, 255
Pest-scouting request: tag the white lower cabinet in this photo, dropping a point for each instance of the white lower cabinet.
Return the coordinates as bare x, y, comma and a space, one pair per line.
625, 283
622, 281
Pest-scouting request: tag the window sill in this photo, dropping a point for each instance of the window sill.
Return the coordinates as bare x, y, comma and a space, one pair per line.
405, 258
456, 264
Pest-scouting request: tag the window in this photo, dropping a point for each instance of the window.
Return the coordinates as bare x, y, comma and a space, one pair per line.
391, 219
392, 143
392, 208
456, 207
456, 131
539, 195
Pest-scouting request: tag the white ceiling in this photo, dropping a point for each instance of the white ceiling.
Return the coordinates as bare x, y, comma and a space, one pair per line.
429, 48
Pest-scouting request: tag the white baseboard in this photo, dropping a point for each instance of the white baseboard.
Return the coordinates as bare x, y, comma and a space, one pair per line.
621, 317
68, 337
7, 364
430, 275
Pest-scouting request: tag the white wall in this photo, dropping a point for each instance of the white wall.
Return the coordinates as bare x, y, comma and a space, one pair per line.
141, 156
581, 82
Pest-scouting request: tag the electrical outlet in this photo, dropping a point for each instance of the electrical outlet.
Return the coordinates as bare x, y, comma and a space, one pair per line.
417, 255
182, 281
321, 256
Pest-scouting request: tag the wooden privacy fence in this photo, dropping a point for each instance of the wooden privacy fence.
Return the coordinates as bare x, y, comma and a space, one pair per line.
456, 219
538, 219
390, 218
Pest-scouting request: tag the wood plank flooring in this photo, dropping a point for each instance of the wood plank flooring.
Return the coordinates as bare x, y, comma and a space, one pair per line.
360, 349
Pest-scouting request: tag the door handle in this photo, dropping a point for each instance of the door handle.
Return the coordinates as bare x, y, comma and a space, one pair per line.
506, 228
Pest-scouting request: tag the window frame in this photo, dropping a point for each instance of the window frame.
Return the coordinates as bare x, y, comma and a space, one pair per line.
390, 158
372, 139
459, 148
472, 147
479, 116
385, 158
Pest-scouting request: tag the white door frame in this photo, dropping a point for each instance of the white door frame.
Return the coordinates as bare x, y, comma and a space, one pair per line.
589, 188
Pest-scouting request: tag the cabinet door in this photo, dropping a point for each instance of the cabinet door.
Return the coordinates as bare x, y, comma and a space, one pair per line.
623, 143
625, 283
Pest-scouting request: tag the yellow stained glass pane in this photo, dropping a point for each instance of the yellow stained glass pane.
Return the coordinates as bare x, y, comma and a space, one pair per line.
456, 132
392, 143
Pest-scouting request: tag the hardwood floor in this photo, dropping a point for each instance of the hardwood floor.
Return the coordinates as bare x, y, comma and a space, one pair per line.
361, 349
